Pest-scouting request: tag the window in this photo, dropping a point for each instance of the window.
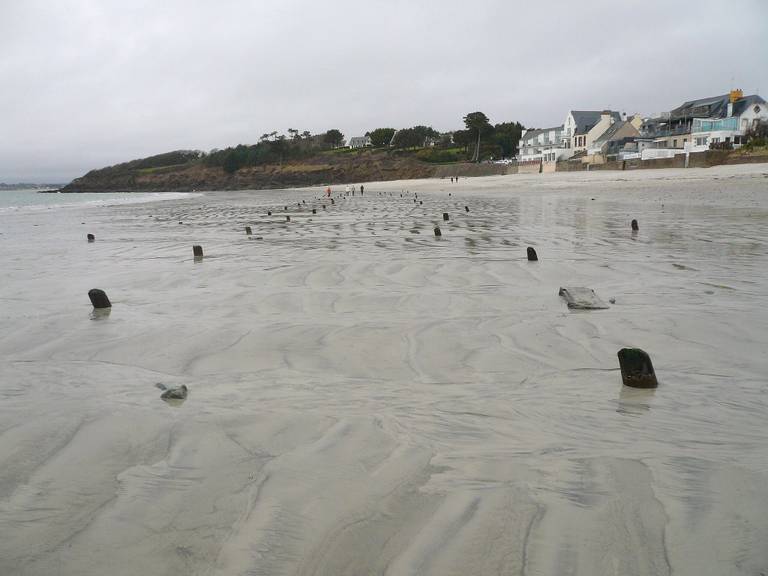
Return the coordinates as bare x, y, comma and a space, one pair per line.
674, 143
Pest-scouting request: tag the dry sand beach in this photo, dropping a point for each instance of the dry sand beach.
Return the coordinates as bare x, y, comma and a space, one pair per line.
368, 399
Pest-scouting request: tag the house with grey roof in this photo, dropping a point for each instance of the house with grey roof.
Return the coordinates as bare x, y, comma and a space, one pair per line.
541, 145
612, 141
360, 141
583, 127
697, 124
742, 113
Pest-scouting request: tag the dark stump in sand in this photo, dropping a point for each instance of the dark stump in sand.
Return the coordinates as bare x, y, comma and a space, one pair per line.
438, 232
532, 256
269, 212
314, 210
91, 237
179, 393
636, 368
445, 216
287, 218
248, 230
466, 208
635, 227
197, 251
99, 298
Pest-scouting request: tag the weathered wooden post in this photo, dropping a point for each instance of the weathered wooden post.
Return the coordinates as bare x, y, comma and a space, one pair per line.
99, 299
445, 216
197, 251
248, 230
636, 368
438, 232
635, 227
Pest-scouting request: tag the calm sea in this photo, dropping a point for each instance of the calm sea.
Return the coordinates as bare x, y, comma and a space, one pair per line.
11, 200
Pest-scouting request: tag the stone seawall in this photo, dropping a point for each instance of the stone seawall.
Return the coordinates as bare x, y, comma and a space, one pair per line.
705, 159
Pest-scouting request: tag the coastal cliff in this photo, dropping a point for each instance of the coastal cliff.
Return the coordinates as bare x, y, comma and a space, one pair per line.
166, 173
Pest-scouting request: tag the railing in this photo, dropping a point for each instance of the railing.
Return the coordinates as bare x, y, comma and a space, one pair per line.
704, 125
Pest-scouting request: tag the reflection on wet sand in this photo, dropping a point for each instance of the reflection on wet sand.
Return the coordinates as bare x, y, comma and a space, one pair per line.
366, 398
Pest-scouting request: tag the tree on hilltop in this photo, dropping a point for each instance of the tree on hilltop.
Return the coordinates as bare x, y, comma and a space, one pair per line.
381, 136
477, 123
334, 137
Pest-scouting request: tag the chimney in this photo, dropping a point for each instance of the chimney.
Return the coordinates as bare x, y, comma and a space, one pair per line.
733, 96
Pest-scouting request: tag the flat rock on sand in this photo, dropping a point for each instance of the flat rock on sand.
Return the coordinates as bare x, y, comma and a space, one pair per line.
582, 298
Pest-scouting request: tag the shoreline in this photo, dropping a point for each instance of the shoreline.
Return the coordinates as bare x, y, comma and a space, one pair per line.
693, 173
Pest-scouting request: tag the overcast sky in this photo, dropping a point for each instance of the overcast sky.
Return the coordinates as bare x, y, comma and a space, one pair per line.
88, 83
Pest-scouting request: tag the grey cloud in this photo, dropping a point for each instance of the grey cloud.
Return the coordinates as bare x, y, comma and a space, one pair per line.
86, 83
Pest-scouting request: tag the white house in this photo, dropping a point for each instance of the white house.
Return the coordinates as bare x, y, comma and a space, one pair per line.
360, 141
542, 145
583, 127
740, 115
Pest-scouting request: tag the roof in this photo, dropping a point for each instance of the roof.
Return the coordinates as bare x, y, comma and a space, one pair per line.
613, 129
743, 103
712, 107
535, 133
586, 119
359, 139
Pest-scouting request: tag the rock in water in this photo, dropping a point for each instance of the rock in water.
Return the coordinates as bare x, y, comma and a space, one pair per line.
533, 257
445, 216
179, 393
466, 208
438, 232
635, 227
582, 298
636, 368
314, 210
99, 298
91, 238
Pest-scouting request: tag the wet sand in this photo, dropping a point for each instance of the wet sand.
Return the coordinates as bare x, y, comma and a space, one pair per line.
368, 399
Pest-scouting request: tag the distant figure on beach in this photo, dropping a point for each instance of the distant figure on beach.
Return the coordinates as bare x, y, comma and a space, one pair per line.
346, 190
362, 189
328, 192
451, 179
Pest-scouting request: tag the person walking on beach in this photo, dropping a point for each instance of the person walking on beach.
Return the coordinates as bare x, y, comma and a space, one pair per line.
346, 190
328, 192
362, 189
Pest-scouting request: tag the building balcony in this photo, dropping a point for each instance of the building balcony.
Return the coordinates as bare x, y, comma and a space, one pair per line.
720, 124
